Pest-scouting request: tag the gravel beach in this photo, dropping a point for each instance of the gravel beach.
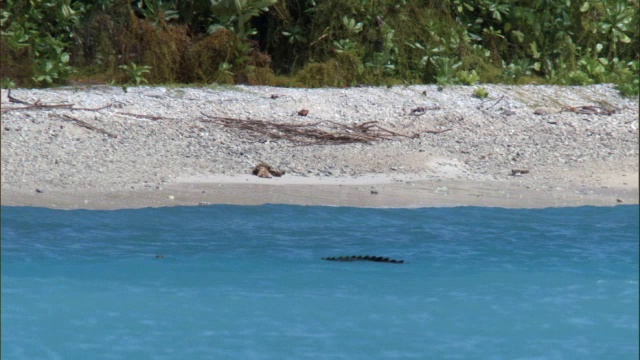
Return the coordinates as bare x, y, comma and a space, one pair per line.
103, 147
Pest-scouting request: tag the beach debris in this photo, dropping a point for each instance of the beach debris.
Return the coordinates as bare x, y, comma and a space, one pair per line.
312, 133
303, 112
14, 100
265, 170
144, 116
38, 105
590, 110
421, 110
481, 106
494, 104
519, 172
364, 258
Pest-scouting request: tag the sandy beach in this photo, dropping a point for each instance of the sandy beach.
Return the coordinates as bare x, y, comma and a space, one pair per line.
526, 146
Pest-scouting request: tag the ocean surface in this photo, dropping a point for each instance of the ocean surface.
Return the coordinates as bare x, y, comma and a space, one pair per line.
248, 282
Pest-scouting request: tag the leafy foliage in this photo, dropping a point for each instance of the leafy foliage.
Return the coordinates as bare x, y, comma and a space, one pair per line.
136, 72
324, 43
480, 93
236, 14
44, 30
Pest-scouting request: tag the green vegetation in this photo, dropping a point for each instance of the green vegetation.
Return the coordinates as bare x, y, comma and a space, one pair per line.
480, 93
310, 43
135, 72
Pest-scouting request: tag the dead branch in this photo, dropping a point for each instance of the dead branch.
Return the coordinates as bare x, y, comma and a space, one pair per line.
86, 125
436, 131
494, 104
63, 106
36, 105
39, 105
149, 117
93, 109
311, 134
14, 100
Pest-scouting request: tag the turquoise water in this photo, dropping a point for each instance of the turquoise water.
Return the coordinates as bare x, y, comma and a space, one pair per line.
248, 282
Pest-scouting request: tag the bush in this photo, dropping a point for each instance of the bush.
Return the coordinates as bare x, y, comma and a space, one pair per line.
37, 34
210, 59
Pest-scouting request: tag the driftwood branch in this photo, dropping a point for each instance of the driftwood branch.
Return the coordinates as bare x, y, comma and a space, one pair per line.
311, 133
148, 117
93, 109
14, 100
86, 125
436, 131
39, 106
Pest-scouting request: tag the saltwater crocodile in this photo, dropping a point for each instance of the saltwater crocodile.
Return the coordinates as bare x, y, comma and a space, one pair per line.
364, 258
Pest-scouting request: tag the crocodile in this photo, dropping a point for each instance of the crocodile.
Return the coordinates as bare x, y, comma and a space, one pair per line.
364, 258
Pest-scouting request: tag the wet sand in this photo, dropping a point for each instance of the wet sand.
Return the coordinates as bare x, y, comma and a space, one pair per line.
363, 192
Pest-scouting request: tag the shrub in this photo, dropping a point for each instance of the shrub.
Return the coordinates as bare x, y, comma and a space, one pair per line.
37, 34
480, 93
209, 59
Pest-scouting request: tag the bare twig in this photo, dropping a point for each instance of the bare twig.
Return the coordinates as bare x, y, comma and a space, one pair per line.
318, 39
436, 131
86, 125
14, 100
494, 104
39, 106
93, 109
36, 105
149, 117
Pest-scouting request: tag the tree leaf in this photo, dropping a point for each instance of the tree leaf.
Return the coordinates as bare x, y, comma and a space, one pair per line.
624, 38
584, 7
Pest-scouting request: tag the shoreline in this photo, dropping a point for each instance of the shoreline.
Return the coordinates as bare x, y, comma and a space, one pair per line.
370, 192
523, 146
